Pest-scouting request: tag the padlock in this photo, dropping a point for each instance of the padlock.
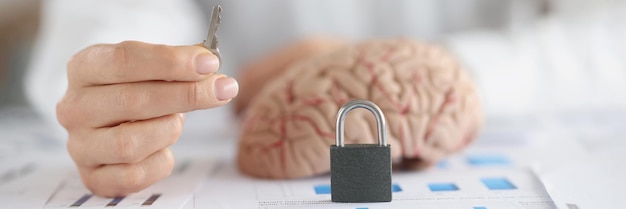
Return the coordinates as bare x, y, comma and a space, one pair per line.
360, 172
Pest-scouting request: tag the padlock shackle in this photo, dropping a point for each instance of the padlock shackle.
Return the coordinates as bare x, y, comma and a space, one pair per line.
360, 103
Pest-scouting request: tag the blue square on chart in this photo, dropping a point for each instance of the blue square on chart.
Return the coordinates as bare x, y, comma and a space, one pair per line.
362, 208
322, 189
498, 184
480, 207
442, 187
488, 160
396, 188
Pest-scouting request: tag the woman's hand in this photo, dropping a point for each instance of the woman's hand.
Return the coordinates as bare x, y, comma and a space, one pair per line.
123, 109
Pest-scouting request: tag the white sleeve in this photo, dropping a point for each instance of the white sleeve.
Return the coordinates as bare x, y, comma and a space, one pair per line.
68, 26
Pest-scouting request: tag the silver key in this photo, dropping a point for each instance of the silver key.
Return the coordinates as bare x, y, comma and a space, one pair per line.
211, 41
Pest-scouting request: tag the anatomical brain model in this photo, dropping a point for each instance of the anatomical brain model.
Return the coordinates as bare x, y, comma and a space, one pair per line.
431, 106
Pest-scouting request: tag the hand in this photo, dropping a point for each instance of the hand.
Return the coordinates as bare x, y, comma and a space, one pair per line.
256, 74
123, 109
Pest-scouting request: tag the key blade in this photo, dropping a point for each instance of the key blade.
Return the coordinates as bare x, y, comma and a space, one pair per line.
217, 11
214, 43
215, 22
216, 18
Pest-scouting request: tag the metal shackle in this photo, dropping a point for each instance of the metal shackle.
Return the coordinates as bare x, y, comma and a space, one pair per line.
360, 103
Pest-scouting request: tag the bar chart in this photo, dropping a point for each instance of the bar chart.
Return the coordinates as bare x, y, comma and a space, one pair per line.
134, 201
172, 192
473, 181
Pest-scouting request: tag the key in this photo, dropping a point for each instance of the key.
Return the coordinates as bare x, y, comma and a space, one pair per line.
211, 41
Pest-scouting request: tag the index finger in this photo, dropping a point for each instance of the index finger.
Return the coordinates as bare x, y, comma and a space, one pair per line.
133, 61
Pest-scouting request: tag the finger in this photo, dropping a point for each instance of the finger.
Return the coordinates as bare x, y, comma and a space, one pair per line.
129, 142
113, 104
133, 61
122, 179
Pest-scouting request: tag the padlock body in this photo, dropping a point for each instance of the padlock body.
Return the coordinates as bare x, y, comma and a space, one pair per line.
360, 173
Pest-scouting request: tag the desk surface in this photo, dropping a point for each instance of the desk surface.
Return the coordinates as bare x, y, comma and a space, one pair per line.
511, 160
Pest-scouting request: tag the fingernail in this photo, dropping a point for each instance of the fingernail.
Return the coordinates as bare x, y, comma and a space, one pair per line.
182, 116
206, 63
226, 88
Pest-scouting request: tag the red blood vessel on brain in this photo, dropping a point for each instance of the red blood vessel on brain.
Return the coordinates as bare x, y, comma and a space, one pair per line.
429, 100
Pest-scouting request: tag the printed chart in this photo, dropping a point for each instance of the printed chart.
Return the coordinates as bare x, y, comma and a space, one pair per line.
475, 181
27, 185
496, 189
14, 173
172, 192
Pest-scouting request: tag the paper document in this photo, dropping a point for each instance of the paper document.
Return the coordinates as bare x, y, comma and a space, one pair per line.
28, 185
486, 181
589, 182
173, 192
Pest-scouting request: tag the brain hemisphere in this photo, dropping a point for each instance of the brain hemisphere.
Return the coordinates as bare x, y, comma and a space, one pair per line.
430, 103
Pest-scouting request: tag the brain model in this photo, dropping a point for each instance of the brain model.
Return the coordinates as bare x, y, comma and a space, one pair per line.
431, 106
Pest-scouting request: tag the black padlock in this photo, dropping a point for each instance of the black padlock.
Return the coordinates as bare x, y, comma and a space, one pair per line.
360, 172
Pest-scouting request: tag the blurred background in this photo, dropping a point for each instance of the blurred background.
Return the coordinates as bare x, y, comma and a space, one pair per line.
529, 57
558, 65
537, 63
19, 21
